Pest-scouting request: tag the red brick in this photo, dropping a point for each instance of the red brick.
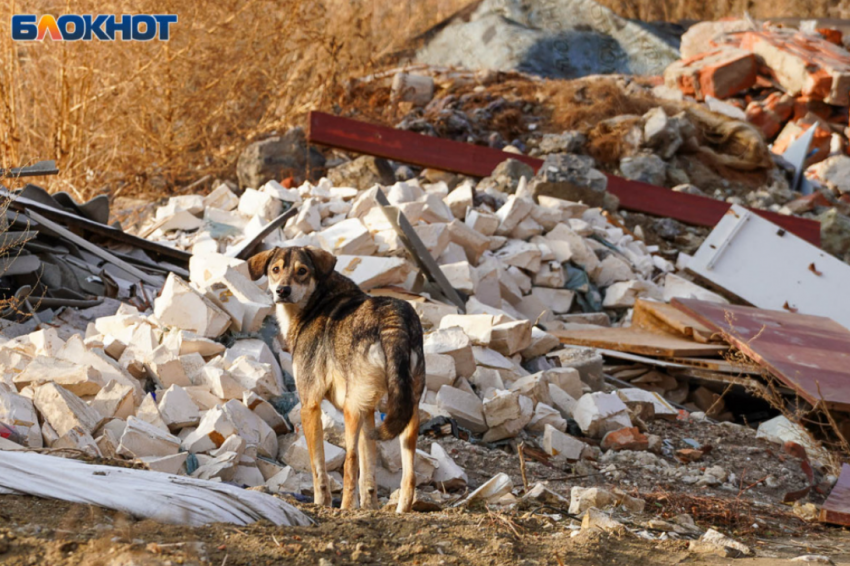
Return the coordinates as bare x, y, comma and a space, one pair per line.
770, 114
720, 73
808, 203
625, 439
833, 36
805, 104
687, 455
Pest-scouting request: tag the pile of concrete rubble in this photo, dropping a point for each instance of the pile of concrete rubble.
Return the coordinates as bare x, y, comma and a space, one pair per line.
187, 386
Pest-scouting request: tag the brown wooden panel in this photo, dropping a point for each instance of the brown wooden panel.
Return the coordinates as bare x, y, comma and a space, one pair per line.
479, 161
810, 354
662, 317
637, 341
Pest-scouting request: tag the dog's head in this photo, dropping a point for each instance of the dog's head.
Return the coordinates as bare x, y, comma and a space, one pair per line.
294, 273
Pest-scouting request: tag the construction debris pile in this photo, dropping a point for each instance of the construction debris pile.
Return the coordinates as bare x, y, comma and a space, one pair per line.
198, 384
786, 83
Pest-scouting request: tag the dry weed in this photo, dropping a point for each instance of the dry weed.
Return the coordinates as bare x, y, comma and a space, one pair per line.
135, 118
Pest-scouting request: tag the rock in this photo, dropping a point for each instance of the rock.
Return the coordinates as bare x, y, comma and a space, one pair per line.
181, 306
455, 343
206, 267
435, 237
600, 413
625, 293
625, 439
407, 87
277, 158
814, 559
506, 176
644, 168
558, 443
567, 378
543, 495
713, 542
560, 301
678, 287
251, 428
570, 177
63, 410
835, 233
222, 467
460, 275
78, 379
661, 409
79, 439
263, 205
285, 481
596, 520
460, 202
221, 198
611, 270
502, 407
661, 134
473, 242
520, 254
535, 386
142, 439
349, 237
562, 401
509, 338
177, 409
371, 272
541, 343
149, 412
448, 475
362, 173
570, 141
465, 407
257, 377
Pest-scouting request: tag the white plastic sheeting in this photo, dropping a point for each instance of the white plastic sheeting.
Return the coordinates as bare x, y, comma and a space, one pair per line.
141, 493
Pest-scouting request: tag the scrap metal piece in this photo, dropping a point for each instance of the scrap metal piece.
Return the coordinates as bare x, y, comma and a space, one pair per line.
796, 154
418, 251
96, 250
243, 251
39, 168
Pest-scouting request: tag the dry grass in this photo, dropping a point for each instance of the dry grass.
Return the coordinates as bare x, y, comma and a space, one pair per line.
136, 118
675, 10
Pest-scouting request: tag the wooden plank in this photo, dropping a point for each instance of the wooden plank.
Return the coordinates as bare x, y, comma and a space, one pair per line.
664, 318
713, 364
637, 341
810, 354
479, 161
836, 509
96, 250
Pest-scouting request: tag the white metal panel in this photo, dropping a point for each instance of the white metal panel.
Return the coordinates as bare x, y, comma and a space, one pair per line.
772, 268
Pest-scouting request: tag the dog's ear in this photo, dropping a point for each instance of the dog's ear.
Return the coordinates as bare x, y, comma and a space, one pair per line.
258, 264
322, 260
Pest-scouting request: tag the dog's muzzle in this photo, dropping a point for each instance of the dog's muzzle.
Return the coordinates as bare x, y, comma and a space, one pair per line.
284, 294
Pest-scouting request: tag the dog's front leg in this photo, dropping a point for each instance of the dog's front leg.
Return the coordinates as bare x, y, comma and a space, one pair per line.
311, 420
368, 455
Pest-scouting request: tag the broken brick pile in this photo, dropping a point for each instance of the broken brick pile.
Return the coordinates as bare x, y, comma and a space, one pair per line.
186, 387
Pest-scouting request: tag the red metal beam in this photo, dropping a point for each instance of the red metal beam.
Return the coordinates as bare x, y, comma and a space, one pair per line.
479, 161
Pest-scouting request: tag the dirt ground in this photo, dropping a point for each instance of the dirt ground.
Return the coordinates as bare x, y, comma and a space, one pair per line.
36, 531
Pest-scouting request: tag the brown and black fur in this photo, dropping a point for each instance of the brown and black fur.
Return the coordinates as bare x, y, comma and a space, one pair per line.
352, 349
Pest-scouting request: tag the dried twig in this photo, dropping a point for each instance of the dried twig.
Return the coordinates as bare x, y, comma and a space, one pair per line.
522, 465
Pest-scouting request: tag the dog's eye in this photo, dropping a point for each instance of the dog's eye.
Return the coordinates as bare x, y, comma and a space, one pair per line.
275, 269
302, 271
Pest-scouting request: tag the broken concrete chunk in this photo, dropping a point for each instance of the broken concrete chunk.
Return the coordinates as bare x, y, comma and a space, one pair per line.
509, 428
214, 428
520, 254
448, 475
221, 198
478, 327
545, 415
439, 371
285, 481
371, 272
535, 386
513, 212
266, 412
473, 242
174, 464
142, 439
349, 237
256, 203
460, 200
177, 409
298, 457
78, 439
206, 267
465, 407
113, 401
182, 307
19, 412
714, 542
252, 428
460, 275
257, 377
63, 410
78, 379
558, 443
222, 467
563, 401
661, 408
509, 338
149, 412
491, 490
455, 343
482, 222
568, 379
596, 520
600, 413
541, 343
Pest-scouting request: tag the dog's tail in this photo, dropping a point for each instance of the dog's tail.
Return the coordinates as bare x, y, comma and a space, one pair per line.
402, 345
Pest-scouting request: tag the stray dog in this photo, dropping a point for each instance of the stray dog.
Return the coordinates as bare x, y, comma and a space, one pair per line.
351, 349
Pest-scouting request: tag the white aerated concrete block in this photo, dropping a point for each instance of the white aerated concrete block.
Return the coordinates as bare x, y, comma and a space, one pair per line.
181, 306
557, 443
177, 409
63, 410
465, 407
141, 439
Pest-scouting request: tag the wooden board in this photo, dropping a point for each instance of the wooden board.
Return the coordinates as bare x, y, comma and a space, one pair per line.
714, 364
836, 508
637, 341
479, 161
810, 354
667, 319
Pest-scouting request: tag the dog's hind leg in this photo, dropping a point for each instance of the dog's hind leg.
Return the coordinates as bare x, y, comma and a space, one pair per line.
353, 422
311, 420
368, 455
408, 453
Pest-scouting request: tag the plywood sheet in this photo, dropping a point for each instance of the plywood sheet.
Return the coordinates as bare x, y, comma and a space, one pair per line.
665, 318
637, 341
810, 354
836, 508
